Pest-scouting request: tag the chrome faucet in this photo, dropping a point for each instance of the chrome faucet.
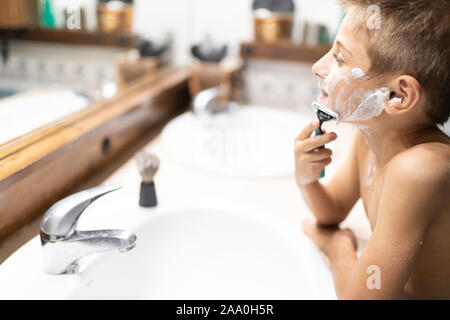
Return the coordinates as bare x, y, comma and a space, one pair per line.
207, 102
63, 245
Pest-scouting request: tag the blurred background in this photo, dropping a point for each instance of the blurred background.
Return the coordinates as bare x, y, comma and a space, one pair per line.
79, 51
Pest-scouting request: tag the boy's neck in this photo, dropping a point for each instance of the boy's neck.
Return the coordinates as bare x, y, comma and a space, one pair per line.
386, 143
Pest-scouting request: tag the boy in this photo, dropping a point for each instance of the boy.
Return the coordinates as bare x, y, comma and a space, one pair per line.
391, 79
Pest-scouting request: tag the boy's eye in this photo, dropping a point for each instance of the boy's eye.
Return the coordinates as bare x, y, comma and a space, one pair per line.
338, 58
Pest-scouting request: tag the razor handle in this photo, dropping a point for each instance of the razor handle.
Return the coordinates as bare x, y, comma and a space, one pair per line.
320, 132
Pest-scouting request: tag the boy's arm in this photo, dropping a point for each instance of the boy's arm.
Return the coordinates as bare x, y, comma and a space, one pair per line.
330, 204
412, 197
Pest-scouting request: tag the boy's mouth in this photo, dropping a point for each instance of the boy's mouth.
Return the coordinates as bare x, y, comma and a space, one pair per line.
323, 97
323, 94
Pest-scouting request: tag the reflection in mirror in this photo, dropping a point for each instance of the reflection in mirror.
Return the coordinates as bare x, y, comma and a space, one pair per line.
43, 82
34, 108
58, 56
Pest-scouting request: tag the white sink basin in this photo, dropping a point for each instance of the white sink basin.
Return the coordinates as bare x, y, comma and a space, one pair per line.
250, 142
186, 254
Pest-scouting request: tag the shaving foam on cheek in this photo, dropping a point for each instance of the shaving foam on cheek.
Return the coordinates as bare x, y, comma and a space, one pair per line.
354, 103
357, 73
370, 107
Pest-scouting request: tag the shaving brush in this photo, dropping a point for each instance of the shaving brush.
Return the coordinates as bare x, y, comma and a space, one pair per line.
147, 165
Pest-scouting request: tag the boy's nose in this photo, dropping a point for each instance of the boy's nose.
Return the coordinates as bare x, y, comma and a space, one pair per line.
320, 69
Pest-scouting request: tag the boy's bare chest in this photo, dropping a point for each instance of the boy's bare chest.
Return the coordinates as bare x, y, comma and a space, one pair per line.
371, 186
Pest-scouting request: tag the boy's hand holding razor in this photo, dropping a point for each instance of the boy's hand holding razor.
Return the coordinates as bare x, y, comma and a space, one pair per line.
309, 159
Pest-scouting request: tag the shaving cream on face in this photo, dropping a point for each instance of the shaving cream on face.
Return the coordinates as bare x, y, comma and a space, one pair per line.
370, 107
357, 73
353, 103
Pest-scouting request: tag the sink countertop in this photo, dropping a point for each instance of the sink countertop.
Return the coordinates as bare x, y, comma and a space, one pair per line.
181, 185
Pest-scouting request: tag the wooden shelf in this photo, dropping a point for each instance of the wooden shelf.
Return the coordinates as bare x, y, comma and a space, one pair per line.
44, 167
283, 51
120, 39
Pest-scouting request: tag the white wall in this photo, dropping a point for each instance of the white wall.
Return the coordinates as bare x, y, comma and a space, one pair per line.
228, 21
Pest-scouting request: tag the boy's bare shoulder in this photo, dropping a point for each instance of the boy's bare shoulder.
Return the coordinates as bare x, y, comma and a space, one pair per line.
423, 162
427, 159
424, 169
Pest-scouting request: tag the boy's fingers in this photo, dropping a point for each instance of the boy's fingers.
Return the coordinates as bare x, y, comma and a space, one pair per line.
318, 155
308, 130
319, 165
318, 141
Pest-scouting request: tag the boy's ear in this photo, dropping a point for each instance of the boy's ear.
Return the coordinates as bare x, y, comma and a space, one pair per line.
404, 94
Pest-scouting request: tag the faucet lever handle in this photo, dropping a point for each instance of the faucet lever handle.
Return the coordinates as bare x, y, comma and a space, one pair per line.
61, 218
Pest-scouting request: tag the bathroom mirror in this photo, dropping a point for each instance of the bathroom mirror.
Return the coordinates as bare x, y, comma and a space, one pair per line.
59, 57
43, 84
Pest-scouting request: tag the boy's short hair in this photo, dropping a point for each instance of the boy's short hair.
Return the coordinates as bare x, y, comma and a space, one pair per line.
413, 39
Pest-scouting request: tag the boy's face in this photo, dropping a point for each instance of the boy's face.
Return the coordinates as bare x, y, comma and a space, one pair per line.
342, 73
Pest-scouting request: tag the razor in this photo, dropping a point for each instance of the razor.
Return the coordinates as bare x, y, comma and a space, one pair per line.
323, 114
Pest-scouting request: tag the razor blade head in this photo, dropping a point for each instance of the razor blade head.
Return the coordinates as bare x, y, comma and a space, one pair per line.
325, 114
